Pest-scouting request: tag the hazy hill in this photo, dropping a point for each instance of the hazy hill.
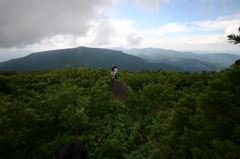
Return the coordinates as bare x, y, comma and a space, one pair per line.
81, 57
184, 63
223, 58
185, 60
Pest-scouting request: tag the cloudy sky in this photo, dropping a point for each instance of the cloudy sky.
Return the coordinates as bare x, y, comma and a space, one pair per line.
28, 26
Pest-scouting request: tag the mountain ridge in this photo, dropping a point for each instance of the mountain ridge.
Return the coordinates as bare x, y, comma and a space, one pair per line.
81, 57
127, 59
186, 60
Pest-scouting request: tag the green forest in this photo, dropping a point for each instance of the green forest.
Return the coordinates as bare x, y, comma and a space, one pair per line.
167, 115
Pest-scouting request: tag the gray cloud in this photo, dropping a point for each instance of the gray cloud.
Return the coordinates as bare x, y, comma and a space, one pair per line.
134, 39
28, 21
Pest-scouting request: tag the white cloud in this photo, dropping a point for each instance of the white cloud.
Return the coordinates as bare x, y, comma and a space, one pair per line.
102, 31
203, 40
169, 28
232, 29
113, 33
220, 23
209, 43
203, 33
207, 35
150, 5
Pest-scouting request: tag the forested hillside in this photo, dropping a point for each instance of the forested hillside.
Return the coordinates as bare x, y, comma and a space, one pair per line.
81, 57
167, 115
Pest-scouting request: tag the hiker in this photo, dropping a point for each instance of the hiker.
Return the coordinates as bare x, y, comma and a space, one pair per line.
115, 71
74, 150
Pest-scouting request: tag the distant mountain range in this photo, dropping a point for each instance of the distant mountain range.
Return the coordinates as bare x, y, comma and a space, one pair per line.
133, 60
185, 60
81, 57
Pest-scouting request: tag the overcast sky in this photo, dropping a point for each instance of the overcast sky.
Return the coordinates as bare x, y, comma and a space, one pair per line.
28, 26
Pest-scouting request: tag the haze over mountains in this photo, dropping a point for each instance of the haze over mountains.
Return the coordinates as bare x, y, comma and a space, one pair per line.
223, 58
133, 59
185, 60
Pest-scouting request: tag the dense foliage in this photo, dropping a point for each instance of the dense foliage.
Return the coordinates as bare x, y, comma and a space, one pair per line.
168, 115
235, 39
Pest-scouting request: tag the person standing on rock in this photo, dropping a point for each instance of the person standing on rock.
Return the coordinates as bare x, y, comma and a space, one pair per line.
115, 71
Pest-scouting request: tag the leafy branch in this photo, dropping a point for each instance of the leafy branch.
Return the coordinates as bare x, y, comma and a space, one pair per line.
234, 38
